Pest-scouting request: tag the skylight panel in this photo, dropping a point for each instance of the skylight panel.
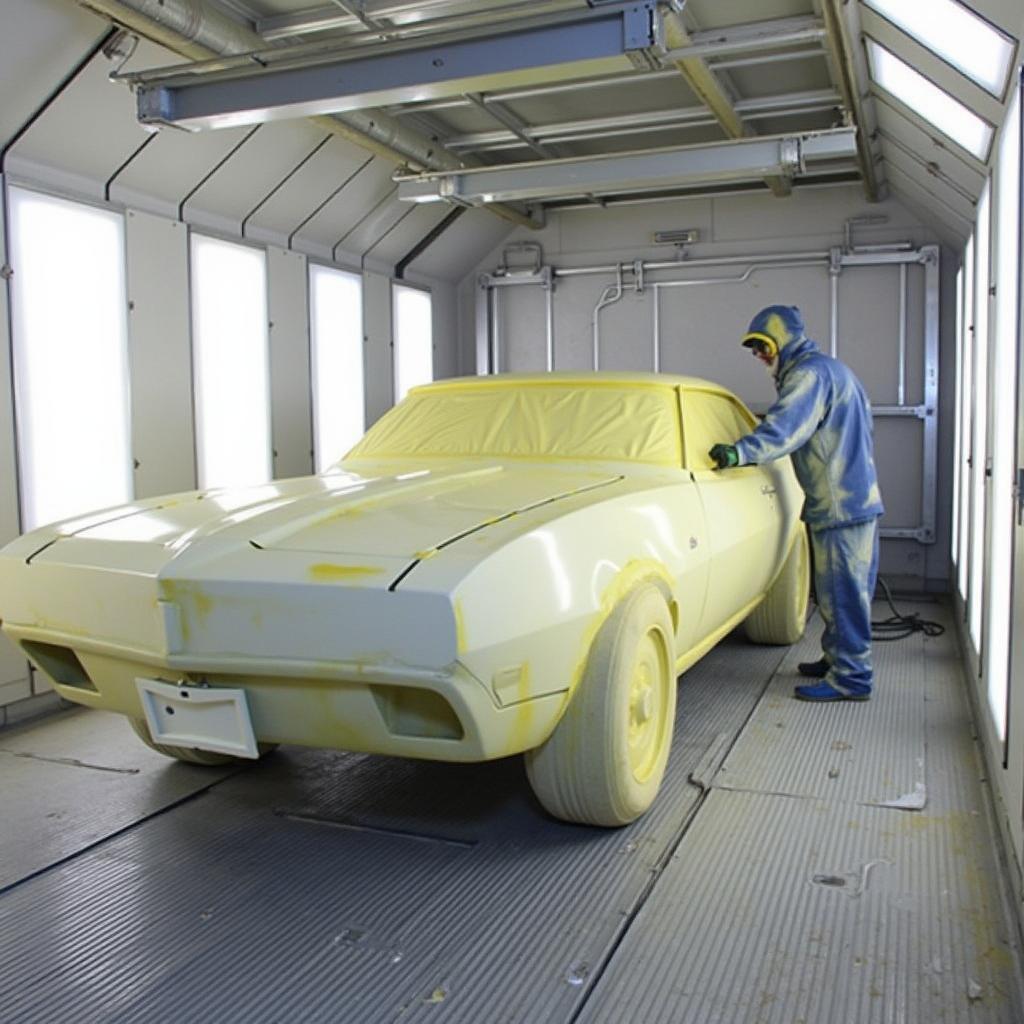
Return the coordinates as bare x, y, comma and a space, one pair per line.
927, 100
957, 35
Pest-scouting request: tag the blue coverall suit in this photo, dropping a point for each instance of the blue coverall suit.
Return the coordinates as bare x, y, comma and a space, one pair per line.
822, 418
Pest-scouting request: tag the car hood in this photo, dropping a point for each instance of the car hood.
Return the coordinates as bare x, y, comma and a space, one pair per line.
345, 515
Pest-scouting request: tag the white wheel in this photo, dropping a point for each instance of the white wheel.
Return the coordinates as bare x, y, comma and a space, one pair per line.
191, 755
605, 760
781, 617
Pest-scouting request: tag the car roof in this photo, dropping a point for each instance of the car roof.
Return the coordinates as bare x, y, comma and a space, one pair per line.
578, 378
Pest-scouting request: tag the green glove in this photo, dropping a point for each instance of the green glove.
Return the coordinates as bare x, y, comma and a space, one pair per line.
724, 456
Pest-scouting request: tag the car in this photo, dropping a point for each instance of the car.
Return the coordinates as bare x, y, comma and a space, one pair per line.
506, 564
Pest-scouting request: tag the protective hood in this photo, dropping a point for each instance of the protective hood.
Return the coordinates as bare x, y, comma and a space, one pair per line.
782, 326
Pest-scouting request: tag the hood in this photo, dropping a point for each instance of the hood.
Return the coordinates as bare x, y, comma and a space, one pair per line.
780, 325
341, 516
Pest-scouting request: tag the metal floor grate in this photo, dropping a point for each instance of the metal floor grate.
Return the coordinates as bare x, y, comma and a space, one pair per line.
322, 886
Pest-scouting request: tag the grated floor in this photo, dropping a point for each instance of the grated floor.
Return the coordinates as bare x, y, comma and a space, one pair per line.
802, 863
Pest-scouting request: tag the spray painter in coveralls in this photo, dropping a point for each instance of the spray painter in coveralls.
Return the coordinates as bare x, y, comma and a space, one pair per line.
822, 419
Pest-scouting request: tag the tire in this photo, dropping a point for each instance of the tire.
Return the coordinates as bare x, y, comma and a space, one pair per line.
782, 616
604, 763
192, 755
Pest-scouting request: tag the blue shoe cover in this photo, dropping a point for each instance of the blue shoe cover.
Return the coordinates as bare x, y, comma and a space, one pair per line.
826, 692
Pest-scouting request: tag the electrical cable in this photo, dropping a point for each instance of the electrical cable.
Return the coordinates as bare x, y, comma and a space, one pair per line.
898, 626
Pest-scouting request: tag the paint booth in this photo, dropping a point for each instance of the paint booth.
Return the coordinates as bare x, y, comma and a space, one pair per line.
236, 233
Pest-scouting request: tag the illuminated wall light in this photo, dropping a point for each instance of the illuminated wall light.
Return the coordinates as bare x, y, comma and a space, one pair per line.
336, 319
980, 449
412, 311
232, 372
930, 102
957, 35
1006, 210
70, 352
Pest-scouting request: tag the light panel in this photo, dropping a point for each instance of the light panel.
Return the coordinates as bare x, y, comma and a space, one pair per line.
70, 357
414, 338
1006, 275
980, 447
232, 363
930, 102
957, 35
336, 317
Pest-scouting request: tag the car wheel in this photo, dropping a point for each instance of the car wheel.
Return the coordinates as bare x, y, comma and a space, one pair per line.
604, 762
191, 755
781, 617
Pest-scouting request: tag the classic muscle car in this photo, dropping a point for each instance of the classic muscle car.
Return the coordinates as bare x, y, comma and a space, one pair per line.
502, 565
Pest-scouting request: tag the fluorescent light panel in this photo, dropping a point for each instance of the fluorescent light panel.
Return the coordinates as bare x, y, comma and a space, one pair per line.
927, 100
957, 35
339, 416
70, 357
414, 338
232, 371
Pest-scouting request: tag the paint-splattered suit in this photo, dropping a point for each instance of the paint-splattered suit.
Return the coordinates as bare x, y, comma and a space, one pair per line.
822, 418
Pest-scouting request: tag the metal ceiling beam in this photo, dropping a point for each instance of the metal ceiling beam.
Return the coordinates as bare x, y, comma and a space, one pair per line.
737, 160
756, 37
617, 81
702, 81
304, 81
516, 129
196, 31
652, 120
851, 79
331, 19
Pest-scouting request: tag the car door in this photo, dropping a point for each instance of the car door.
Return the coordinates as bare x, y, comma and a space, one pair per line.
741, 506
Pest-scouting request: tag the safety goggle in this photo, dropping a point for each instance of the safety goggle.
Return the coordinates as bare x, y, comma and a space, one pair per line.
761, 345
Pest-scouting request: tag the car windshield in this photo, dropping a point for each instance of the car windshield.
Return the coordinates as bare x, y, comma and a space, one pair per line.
613, 421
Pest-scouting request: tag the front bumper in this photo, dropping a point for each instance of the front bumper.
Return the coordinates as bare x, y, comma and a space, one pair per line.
384, 708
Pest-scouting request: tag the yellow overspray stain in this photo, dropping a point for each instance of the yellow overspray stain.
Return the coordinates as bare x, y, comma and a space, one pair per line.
522, 723
461, 643
632, 574
328, 571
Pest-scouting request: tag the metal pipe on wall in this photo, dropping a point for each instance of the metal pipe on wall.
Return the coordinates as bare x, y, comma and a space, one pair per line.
901, 386
549, 315
708, 261
609, 296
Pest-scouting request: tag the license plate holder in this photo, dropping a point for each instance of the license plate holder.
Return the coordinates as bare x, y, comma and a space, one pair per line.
208, 718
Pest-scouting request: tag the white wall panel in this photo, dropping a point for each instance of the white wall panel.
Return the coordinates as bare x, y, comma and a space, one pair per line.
378, 363
291, 416
462, 246
367, 180
406, 234
14, 680
302, 194
90, 129
813, 215
446, 322
253, 172
51, 37
586, 231
159, 351
172, 165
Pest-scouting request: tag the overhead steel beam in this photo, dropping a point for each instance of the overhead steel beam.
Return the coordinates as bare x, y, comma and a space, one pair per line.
851, 78
737, 160
703, 82
752, 38
404, 18
651, 120
305, 81
192, 29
